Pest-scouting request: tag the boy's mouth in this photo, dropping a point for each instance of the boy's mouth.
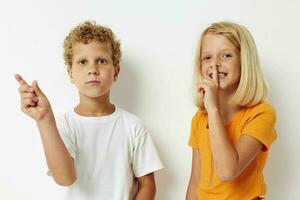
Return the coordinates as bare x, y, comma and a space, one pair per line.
93, 82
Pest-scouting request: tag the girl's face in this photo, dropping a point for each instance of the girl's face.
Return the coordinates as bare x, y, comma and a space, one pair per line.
218, 51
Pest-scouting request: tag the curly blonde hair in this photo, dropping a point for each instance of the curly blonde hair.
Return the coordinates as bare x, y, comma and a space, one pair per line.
86, 32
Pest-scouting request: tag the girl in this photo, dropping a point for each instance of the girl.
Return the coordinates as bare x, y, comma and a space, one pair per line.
233, 130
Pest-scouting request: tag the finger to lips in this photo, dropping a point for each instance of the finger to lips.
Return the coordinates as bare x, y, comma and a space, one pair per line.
215, 75
205, 84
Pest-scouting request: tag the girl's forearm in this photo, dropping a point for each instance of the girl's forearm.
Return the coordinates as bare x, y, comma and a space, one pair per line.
191, 193
224, 153
59, 161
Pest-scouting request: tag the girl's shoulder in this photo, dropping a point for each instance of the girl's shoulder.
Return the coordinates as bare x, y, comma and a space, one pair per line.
261, 107
263, 110
200, 115
200, 120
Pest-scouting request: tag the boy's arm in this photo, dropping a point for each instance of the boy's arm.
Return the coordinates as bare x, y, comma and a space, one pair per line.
146, 187
35, 104
191, 193
59, 160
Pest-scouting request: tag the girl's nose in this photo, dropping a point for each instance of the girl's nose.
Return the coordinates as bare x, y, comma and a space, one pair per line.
218, 65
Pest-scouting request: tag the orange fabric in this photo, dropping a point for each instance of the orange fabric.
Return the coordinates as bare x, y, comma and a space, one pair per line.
258, 122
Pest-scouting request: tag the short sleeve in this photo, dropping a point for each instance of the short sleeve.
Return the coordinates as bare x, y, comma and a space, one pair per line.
145, 157
66, 135
261, 126
194, 133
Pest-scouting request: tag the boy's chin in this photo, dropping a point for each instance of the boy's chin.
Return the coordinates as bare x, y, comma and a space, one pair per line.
95, 95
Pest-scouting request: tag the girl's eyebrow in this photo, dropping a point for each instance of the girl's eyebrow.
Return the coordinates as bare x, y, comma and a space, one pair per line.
227, 49
205, 52
224, 49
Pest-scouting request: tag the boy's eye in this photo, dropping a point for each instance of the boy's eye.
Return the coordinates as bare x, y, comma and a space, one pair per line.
82, 62
101, 61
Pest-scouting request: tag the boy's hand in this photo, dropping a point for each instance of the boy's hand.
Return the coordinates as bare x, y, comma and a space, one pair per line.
34, 103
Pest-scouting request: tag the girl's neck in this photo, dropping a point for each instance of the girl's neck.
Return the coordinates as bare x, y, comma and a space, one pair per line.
90, 107
227, 108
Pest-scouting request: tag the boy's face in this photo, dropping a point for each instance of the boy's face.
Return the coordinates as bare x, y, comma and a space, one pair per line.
92, 69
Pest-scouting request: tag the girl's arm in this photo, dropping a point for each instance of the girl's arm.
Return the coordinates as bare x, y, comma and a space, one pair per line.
35, 104
191, 193
230, 160
146, 187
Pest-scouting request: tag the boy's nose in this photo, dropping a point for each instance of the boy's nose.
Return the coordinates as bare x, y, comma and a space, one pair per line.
93, 72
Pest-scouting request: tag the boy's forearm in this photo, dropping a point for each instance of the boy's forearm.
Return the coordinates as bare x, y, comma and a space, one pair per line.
59, 161
146, 187
146, 192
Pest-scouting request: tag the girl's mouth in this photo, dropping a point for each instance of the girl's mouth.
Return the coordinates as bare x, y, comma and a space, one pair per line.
221, 75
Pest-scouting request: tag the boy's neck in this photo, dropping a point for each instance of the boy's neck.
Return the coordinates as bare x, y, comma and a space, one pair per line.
92, 107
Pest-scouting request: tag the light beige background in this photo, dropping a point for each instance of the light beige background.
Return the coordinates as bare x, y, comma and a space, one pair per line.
159, 40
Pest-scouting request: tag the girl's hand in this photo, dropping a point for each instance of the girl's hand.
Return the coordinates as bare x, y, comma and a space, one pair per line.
209, 91
34, 102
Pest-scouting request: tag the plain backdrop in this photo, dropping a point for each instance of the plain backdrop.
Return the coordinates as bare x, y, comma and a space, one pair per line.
159, 40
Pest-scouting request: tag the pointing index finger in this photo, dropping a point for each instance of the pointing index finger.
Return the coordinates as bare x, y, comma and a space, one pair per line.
20, 80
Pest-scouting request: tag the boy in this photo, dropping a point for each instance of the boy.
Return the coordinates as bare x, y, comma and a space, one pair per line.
97, 149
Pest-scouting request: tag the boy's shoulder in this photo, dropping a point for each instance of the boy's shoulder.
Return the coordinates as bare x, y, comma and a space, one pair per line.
130, 121
130, 117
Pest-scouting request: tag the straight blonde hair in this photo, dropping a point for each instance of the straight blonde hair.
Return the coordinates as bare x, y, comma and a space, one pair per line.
252, 88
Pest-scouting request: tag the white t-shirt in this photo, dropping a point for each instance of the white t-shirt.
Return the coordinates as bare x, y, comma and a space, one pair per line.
109, 152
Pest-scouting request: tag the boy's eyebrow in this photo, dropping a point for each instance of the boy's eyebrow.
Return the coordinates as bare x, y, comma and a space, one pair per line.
80, 57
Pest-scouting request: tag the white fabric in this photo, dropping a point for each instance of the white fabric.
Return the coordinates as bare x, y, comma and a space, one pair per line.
109, 152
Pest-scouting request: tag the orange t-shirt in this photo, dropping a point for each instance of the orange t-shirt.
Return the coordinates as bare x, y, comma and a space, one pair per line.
258, 122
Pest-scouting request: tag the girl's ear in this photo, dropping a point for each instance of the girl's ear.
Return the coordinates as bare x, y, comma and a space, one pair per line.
117, 71
70, 74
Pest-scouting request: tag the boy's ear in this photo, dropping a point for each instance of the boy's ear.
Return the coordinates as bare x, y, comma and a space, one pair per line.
117, 71
70, 74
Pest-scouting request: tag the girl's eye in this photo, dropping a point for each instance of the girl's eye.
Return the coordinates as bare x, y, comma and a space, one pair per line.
227, 55
101, 61
206, 58
82, 62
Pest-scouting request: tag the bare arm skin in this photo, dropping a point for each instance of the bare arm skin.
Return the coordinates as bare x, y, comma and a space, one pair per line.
35, 104
146, 188
191, 193
230, 160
